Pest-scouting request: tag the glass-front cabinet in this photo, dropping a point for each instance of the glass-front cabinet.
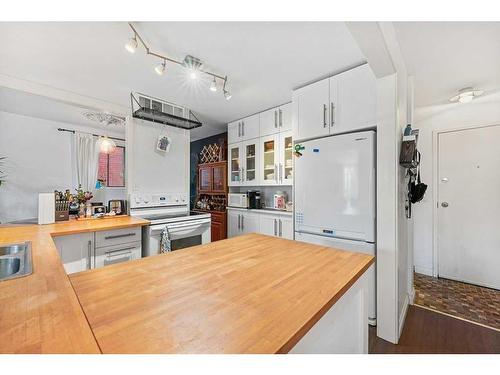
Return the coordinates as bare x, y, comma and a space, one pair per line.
270, 159
286, 159
251, 157
235, 164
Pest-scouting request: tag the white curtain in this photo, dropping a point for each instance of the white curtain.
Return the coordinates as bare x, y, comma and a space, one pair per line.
87, 160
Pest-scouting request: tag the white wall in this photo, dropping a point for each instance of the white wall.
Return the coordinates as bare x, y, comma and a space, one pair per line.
482, 111
39, 159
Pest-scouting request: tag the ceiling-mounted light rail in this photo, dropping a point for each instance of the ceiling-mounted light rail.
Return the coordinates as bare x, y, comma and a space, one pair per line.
190, 62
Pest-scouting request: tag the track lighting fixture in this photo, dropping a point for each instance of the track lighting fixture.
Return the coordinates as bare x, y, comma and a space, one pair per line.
213, 86
131, 44
160, 68
193, 65
466, 95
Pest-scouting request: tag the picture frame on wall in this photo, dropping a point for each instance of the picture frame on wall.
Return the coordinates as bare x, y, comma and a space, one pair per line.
163, 144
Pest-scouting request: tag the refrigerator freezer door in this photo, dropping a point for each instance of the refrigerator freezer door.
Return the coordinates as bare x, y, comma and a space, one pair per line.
335, 187
354, 246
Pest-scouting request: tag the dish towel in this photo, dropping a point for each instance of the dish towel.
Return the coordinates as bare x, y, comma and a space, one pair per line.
165, 244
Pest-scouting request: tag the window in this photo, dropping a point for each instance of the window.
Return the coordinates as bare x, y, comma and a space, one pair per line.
112, 168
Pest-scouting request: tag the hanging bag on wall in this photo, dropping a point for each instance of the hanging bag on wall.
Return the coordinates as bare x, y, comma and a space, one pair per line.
417, 188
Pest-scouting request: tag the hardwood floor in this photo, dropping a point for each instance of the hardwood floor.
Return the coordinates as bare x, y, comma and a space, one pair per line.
428, 332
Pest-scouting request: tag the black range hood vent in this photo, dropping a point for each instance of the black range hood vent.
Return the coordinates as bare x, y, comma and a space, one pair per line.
147, 110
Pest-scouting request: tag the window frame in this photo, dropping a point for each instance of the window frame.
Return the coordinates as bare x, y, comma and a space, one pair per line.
107, 170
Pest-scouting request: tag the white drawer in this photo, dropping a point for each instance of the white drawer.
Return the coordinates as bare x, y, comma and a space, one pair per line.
117, 236
105, 256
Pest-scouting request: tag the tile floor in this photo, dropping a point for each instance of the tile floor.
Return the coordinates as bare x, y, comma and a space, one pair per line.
467, 301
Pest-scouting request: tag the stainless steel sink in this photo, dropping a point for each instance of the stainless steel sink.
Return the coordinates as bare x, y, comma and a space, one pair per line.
15, 261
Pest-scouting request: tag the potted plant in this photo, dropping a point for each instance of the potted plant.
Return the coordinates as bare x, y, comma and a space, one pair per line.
82, 197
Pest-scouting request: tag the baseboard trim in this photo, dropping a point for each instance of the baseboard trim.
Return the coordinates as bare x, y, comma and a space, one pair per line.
456, 317
424, 270
402, 316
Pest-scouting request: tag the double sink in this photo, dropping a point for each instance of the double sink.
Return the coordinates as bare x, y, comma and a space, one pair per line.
15, 261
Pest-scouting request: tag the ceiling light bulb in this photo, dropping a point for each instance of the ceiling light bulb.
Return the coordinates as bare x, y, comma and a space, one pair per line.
466, 98
106, 145
227, 94
160, 68
193, 74
131, 45
213, 86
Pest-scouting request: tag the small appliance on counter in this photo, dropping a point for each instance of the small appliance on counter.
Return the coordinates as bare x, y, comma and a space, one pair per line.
117, 206
254, 199
237, 200
250, 199
280, 200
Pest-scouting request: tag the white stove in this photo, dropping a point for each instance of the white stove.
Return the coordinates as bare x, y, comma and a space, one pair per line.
171, 211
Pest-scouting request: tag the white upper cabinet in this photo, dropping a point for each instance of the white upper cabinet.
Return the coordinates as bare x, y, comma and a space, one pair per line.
235, 164
250, 127
276, 120
233, 132
339, 104
250, 163
269, 122
269, 168
243, 129
356, 95
285, 117
285, 147
310, 110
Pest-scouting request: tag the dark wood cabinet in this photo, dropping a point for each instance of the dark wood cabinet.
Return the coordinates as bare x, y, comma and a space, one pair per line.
219, 231
212, 178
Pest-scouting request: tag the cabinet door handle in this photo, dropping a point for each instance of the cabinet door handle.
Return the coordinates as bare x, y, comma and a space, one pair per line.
324, 115
119, 236
281, 228
281, 172
281, 118
239, 175
242, 222
239, 225
89, 254
242, 174
275, 230
275, 119
243, 128
239, 129
276, 173
332, 113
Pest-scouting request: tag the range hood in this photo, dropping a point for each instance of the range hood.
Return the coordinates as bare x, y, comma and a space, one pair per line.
147, 108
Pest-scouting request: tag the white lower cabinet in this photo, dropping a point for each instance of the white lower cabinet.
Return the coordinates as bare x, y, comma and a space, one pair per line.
276, 225
80, 252
241, 221
76, 251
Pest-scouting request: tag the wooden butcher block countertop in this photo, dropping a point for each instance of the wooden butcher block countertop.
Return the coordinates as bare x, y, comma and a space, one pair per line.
40, 313
249, 294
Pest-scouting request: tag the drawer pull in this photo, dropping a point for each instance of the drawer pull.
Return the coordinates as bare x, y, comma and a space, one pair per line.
119, 236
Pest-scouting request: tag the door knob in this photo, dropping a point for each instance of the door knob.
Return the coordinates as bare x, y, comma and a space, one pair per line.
444, 204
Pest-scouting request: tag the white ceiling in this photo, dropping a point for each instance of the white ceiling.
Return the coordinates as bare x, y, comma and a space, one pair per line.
447, 56
264, 61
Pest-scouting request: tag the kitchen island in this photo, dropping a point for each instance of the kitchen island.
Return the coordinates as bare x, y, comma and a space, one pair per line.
248, 294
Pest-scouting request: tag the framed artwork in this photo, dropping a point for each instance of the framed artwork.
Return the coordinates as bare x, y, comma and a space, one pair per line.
163, 143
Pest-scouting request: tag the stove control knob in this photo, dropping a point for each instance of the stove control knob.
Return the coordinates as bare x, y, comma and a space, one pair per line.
137, 200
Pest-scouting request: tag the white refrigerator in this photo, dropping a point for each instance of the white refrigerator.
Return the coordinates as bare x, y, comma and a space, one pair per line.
334, 195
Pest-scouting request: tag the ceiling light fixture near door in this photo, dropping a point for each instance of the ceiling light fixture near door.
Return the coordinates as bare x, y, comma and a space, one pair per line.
466, 95
193, 64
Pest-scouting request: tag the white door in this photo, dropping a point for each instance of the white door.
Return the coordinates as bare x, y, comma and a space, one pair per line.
268, 224
250, 162
335, 187
269, 122
310, 106
76, 251
286, 227
233, 132
235, 164
286, 158
356, 100
233, 223
249, 222
250, 127
285, 117
269, 147
469, 206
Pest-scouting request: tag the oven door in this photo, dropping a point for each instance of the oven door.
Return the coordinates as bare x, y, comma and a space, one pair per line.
182, 235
